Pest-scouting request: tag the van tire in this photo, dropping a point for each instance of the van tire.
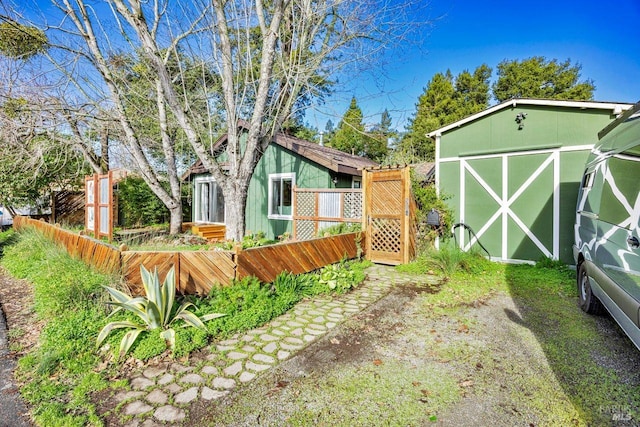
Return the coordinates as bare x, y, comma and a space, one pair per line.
588, 302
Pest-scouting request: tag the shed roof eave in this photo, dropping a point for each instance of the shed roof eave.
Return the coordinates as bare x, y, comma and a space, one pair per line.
615, 107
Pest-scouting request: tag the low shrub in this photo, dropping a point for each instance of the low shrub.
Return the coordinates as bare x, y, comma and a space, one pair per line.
251, 240
446, 261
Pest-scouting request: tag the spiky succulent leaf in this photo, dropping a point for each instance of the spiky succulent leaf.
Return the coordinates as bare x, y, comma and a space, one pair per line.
133, 306
211, 316
117, 295
191, 319
169, 336
154, 316
114, 325
150, 282
168, 293
128, 340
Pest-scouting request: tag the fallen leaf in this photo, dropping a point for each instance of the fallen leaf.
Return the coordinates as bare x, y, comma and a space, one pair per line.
416, 383
466, 383
425, 392
334, 341
463, 329
377, 362
279, 386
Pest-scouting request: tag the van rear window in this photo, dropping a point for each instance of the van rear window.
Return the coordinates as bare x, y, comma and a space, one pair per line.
621, 189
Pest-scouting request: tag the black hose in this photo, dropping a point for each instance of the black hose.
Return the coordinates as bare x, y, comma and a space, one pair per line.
469, 233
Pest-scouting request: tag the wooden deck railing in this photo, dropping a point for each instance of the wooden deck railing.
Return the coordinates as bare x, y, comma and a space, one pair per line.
198, 271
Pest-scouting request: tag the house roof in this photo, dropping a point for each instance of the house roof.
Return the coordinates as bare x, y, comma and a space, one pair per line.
615, 107
425, 170
335, 160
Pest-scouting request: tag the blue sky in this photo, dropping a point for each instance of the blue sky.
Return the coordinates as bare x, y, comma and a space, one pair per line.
467, 33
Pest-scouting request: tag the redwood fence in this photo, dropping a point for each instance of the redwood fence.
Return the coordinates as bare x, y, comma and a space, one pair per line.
198, 271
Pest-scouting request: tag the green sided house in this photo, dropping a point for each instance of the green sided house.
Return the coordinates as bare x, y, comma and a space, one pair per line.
287, 163
513, 172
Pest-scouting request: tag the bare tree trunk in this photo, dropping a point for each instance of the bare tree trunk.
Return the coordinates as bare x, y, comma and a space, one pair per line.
104, 149
175, 219
234, 207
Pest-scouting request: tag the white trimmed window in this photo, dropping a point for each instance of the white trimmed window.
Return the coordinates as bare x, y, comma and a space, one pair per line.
281, 195
356, 182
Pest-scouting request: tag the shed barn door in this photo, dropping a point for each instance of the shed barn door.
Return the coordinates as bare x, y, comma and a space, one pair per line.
389, 216
512, 201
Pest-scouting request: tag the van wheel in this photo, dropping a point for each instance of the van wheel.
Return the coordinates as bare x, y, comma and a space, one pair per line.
588, 302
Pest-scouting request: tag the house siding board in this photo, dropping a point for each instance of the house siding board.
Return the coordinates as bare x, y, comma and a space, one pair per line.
277, 159
496, 150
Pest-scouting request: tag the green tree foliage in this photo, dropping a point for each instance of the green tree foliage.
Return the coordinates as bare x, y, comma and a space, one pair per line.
538, 77
445, 100
139, 205
351, 136
20, 41
384, 134
299, 129
427, 198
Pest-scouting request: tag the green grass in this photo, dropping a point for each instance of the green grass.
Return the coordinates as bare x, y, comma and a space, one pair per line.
584, 391
446, 261
545, 294
68, 295
571, 343
394, 394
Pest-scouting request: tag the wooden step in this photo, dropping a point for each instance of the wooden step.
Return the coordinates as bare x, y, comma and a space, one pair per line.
209, 231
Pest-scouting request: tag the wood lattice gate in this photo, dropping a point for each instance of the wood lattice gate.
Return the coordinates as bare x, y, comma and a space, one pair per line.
389, 215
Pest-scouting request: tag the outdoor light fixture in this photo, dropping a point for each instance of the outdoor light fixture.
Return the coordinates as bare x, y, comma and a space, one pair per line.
335, 180
520, 119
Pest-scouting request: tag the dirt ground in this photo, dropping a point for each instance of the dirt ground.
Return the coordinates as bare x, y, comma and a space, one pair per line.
391, 365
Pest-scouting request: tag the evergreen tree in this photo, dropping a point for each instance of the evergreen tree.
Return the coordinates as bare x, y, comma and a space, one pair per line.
349, 134
383, 135
352, 137
444, 101
538, 77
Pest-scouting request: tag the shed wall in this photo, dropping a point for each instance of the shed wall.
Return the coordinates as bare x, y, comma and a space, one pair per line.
517, 188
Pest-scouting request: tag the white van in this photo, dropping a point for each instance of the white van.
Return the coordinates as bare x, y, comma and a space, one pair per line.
607, 227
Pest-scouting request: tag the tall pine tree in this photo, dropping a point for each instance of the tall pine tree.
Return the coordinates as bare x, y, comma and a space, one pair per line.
444, 101
352, 137
537, 77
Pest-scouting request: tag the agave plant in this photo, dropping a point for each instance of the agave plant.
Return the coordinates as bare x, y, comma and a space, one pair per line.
155, 310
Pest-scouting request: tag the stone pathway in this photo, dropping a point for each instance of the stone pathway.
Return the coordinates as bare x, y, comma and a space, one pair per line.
162, 395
